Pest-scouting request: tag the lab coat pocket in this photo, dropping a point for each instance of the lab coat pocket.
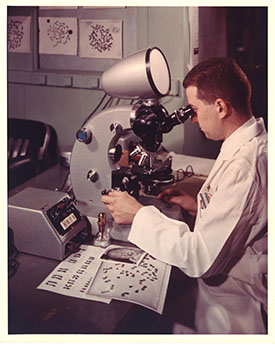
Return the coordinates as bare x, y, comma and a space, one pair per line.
204, 198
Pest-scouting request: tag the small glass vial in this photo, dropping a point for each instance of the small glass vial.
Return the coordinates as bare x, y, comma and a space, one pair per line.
103, 238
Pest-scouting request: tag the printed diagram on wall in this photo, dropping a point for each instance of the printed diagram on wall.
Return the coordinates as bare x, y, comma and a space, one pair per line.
194, 36
19, 34
101, 39
57, 35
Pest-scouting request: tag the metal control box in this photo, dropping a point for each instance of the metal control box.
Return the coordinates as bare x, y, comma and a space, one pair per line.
45, 223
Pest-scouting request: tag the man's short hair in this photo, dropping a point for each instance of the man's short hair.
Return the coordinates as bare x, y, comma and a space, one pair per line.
221, 78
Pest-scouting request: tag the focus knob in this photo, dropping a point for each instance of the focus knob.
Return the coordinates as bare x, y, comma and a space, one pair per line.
92, 175
84, 135
115, 153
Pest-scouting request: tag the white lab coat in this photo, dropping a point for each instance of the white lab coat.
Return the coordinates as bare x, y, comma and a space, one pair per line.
228, 236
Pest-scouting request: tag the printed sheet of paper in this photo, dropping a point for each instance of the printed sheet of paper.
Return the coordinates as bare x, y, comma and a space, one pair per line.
100, 38
73, 276
117, 272
19, 34
144, 284
57, 35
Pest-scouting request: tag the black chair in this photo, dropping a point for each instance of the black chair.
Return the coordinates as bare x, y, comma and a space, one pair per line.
32, 149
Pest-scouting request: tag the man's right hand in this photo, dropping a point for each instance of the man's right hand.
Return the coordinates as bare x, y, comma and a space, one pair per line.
178, 197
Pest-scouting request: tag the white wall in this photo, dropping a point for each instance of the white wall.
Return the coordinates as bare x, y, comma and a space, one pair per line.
52, 96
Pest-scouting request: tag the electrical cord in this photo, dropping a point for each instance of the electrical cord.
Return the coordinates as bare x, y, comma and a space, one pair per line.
64, 182
182, 174
96, 108
108, 103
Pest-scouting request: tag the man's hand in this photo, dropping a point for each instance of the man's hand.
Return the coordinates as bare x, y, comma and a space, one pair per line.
122, 206
177, 196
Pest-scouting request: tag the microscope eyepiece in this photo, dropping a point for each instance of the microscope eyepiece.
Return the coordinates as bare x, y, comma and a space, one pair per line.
177, 117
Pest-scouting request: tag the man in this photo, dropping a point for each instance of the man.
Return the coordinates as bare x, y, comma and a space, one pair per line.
227, 249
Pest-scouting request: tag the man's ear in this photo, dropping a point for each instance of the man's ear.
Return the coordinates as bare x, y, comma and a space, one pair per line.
223, 108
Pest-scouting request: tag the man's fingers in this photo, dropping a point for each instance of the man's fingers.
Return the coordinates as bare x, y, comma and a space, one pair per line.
175, 199
116, 193
106, 199
167, 195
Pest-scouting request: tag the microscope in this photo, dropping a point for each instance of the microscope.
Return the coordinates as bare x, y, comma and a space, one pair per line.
116, 148
120, 147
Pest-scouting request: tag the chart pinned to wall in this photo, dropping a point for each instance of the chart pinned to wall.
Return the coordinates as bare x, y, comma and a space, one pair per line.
100, 39
193, 13
57, 35
19, 34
